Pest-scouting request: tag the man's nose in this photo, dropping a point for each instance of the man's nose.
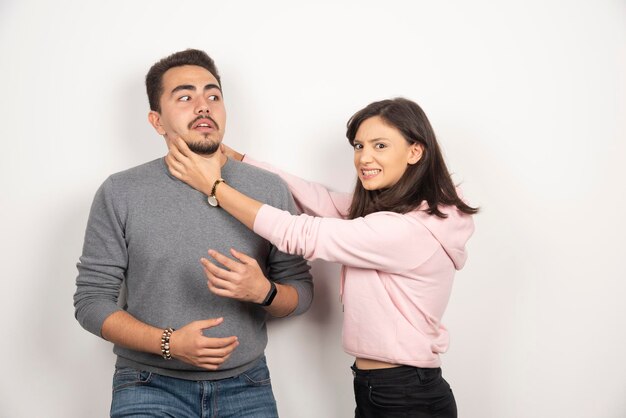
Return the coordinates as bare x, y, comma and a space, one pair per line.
202, 105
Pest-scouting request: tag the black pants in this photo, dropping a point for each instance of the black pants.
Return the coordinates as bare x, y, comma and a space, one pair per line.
402, 392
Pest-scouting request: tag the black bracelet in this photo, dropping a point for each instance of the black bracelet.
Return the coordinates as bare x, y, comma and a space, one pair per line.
270, 295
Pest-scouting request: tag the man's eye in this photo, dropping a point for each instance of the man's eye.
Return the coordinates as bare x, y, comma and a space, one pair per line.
184, 98
214, 97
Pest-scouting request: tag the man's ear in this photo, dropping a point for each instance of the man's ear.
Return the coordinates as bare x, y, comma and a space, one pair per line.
155, 120
415, 153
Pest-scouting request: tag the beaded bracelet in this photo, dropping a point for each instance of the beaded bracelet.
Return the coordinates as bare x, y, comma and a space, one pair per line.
165, 343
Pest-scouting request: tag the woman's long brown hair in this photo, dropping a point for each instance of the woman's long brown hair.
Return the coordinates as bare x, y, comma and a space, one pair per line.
427, 180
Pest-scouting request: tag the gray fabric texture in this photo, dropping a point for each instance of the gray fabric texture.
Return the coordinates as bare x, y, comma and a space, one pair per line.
145, 236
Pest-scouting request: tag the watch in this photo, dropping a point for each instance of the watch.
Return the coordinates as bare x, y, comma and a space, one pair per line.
212, 199
270, 295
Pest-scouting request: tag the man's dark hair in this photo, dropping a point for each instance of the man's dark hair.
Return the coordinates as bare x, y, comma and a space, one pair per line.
427, 180
154, 78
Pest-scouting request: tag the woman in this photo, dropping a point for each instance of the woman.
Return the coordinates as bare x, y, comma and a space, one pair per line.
400, 237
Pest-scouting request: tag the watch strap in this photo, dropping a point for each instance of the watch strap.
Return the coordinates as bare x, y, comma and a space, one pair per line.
270, 295
212, 199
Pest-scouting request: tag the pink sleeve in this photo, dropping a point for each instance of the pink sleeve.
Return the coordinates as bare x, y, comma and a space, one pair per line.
311, 198
384, 241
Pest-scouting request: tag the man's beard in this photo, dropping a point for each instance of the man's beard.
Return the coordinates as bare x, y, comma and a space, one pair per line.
204, 148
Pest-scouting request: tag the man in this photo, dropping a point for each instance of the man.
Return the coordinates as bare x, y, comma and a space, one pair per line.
185, 346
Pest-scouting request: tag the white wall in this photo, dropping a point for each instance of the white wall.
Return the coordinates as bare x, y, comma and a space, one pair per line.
528, 99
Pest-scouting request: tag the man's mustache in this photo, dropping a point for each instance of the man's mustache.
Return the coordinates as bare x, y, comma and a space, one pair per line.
217, 127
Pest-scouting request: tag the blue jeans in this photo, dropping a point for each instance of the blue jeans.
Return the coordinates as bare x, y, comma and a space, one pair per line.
145, 394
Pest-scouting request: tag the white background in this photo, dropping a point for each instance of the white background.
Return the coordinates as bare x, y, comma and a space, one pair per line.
528, 99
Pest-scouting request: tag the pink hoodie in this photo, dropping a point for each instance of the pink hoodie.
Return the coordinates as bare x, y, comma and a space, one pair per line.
397, 270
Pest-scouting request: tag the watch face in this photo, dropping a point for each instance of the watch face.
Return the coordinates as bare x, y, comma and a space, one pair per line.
212, 201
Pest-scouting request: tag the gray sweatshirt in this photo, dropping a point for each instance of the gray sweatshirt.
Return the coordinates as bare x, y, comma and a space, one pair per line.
145, 236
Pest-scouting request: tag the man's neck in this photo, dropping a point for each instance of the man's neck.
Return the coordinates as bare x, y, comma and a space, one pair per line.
223, 158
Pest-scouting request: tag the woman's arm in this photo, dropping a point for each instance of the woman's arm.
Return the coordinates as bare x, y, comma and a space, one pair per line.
384, 241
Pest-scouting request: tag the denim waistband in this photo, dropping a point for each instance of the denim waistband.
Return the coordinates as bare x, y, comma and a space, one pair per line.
395, 372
